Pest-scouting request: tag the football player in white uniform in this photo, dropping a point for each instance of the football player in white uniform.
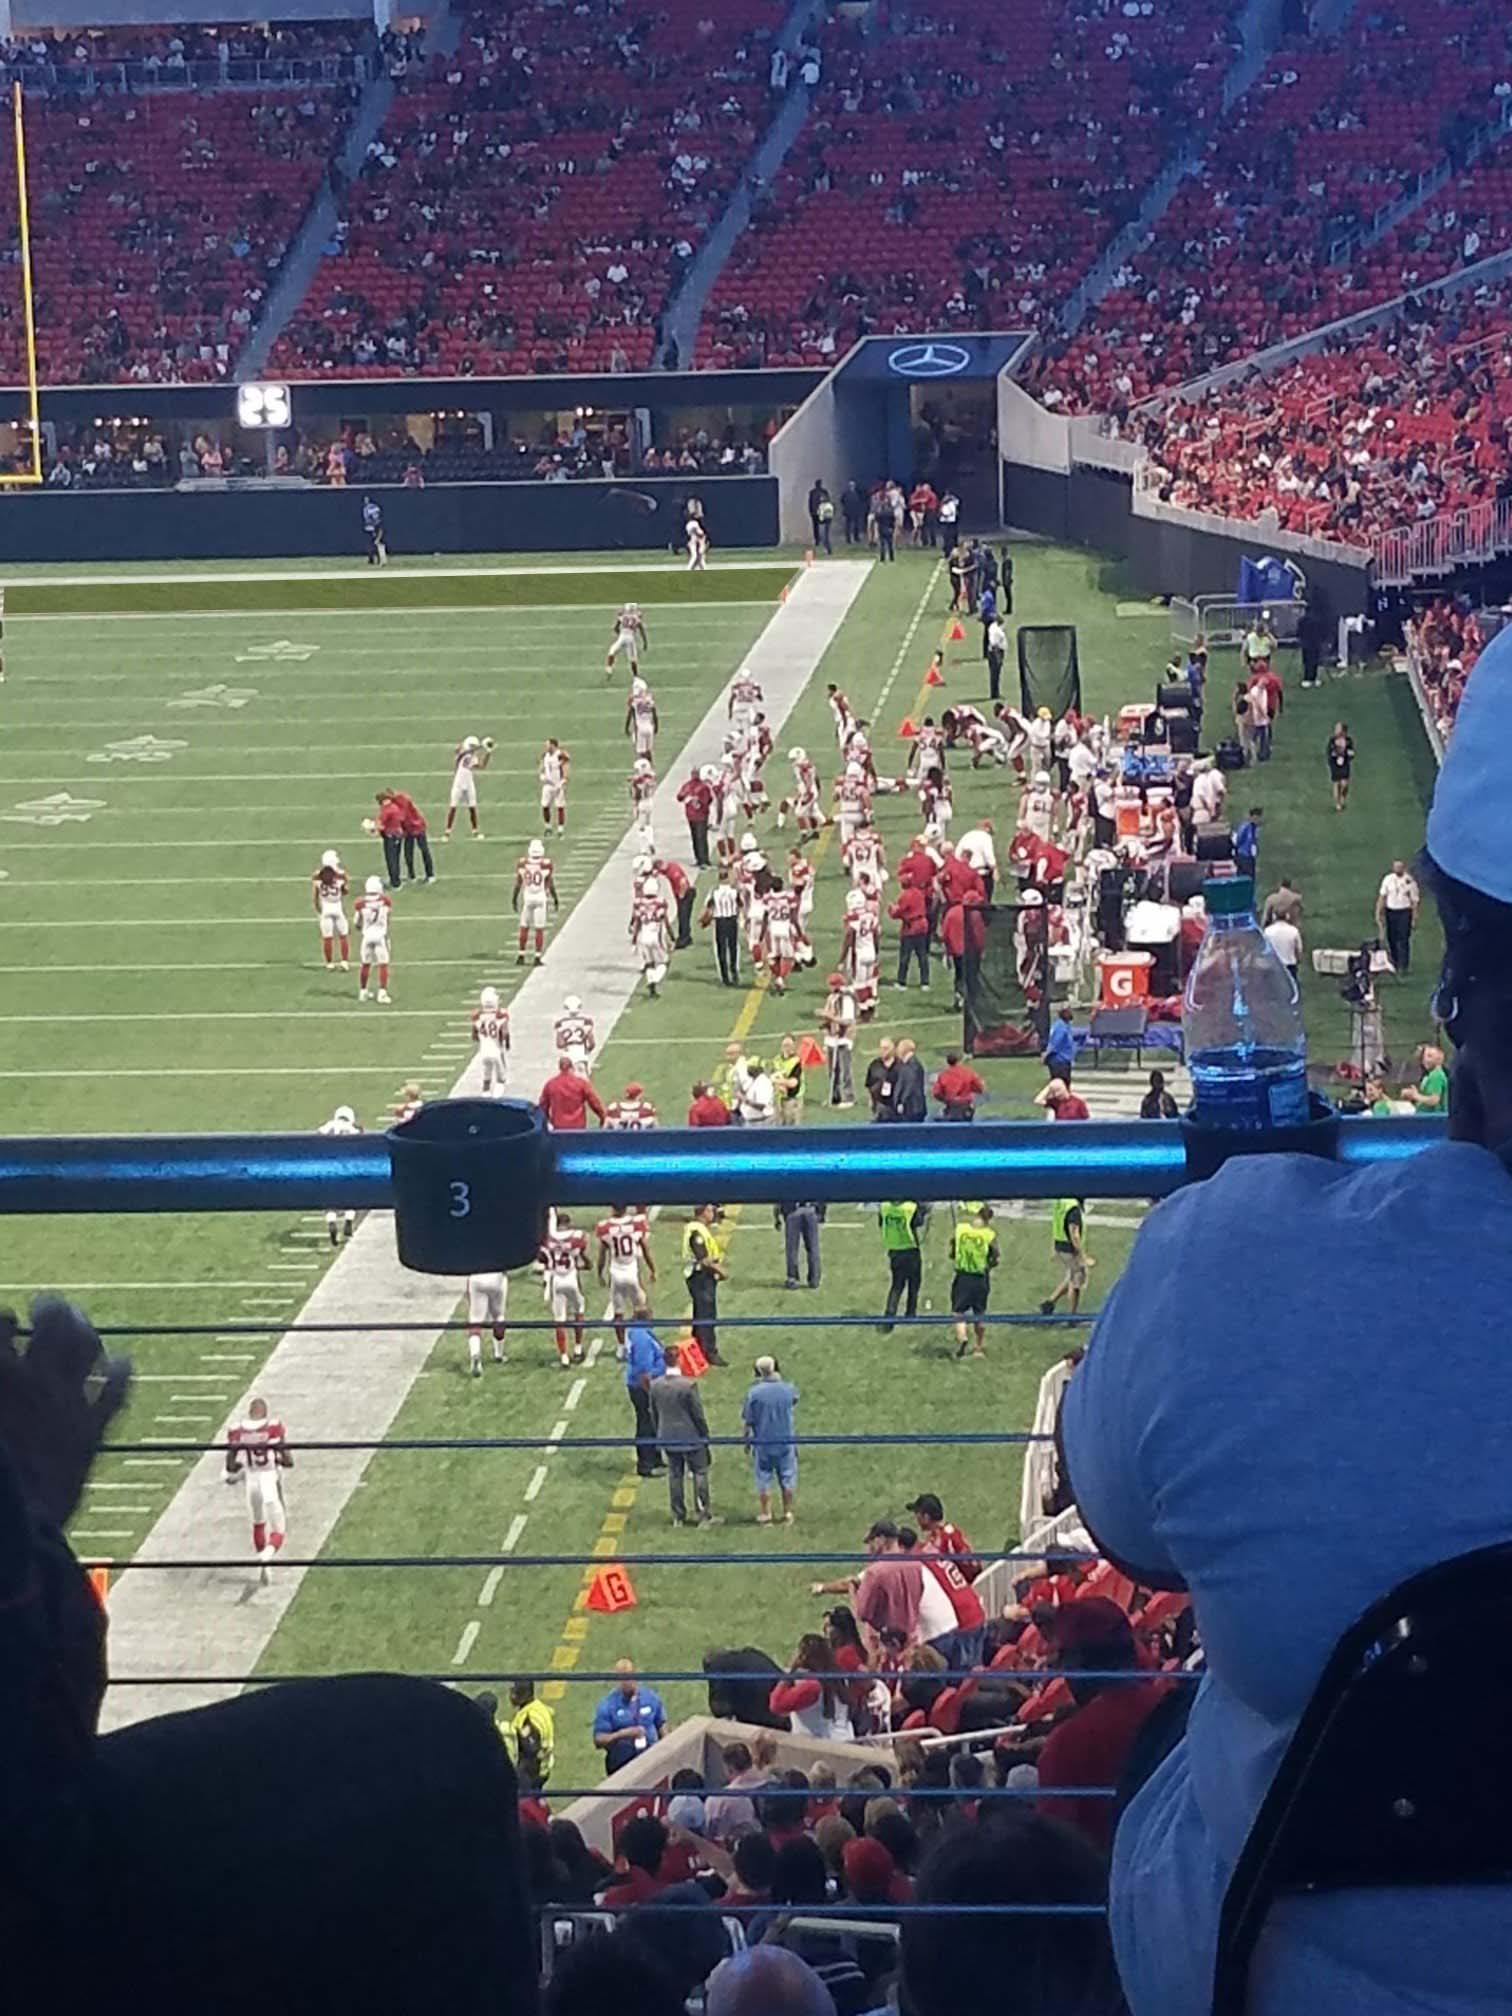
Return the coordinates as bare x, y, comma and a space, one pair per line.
572, 1033
328, 888
861, 958
472, 756
631, 1113
373, 912
745, 696
1037, 807
624, 1243
534, 889
650, 932
257, 1451
629, 635
642, 799
553, 770
698, 546
487, 1298
852, 803
808, 813
563, 1256
780, 940
641, 719
490, 1031
841, 713
339, 1223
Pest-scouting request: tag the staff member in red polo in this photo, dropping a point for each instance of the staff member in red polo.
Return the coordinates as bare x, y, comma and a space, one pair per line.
1061, 1102
957, 1088
697, 800
390, 824
707, 1109
912, 913
568, 1098
416, 834
680, 883
963, 934
958, 880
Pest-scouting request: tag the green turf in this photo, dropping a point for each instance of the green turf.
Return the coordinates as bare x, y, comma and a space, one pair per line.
183, 902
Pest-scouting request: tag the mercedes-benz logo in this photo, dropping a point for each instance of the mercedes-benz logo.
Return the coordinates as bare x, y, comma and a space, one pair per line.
929, 360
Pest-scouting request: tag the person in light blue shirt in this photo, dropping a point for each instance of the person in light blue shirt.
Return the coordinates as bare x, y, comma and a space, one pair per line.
1247, 842
1212, 1438
766, 1417
628, 1720
1060, 1048
645, 1360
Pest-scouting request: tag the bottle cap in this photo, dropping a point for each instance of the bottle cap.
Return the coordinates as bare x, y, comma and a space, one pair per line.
1228, 895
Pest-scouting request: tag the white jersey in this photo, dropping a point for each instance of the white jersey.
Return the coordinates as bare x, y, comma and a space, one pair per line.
806, 783
487, 1298
624, 1238
373, 913
490, 1028
339, 1127
573, 1036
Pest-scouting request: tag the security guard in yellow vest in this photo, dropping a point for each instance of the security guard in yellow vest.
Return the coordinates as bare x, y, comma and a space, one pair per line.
901, 1223
974, 1250
700, 1251
529, 1733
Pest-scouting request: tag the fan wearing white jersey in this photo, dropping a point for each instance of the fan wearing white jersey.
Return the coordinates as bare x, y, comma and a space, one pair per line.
472, 756
257, 1451
563, 1256
534, 889
808, 814
572, 1032
487, 1298
328, 888
490, 1031
629, 635
624, 1244
373, 913
340, 1224
643, 799
651, 933
553, 770
641, 719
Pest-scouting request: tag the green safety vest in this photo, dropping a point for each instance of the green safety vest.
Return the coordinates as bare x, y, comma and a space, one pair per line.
711, 1246
1060, 1211
973, 1243
898, 1230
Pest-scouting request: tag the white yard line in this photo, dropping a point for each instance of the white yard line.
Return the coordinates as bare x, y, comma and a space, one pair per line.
213, 576
466, 1642
164, 1625
538, 1477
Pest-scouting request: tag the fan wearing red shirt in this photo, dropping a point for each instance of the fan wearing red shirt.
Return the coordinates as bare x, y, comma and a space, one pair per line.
1092, 1746
941, 1537
1061, 1102
416, 834
707, 1109
567, 1099
912, 913
957, 1088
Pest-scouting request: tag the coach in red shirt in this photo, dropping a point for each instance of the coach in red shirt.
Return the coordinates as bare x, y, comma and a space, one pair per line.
958, 880
697, 800
1092, 1746
708, 1109
680, 883
1061, 1102
567, 1099
391, 833
963, 933
958, 1088
912, 913
416, 834
918, 869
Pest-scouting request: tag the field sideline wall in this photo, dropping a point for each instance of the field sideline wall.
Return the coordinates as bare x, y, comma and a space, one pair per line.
1095, 508
276, 523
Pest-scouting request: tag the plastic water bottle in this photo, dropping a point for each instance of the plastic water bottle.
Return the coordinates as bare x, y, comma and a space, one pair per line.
1242, 1020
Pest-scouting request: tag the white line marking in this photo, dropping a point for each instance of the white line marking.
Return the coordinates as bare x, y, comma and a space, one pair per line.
593, 1351
533, 1488
574, 1394
104, 1533
517, 1526
466, 1642
151, 1462
490, 1587
183, 1420
91, 1485
191, 1398
269, 923
558, 1430
218, 1071
179, 1379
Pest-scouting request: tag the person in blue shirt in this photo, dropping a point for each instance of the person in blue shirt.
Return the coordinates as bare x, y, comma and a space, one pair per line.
766, 1417
628, 1720
645, 1360
1196, 676
1060, 1048
1247, 842
1204, 1430
987, 609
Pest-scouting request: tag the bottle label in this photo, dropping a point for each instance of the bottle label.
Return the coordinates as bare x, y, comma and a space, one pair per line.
1288, 1100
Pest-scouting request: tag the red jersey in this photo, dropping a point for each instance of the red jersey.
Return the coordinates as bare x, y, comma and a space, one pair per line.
566, 1100
565, 1253
624, 1239
964, 1600
391, 818
958, 1085
1071, 1108
912, 913
944, 1538
642, 786
917, 870
491, 1025
959, 879
630, 1116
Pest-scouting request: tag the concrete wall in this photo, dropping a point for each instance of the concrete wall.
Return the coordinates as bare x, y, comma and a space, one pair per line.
268, 522
835, 438
1028, 434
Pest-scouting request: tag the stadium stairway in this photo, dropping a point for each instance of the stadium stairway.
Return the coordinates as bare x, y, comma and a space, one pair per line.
1113, 1090
684, 311
308, 249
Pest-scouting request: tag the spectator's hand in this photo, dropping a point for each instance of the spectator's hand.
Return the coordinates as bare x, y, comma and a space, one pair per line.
57, 1398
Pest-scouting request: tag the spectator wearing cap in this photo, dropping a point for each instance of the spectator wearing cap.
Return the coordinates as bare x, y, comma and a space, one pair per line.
766, 1420
1092, 1746
1059, 1057
957, 1088
942, 1536
1061, 1103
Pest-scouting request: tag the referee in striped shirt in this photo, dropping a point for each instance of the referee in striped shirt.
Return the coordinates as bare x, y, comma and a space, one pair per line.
723, 910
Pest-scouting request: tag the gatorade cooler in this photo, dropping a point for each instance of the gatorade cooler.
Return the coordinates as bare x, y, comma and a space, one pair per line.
1124, 977
1128, 813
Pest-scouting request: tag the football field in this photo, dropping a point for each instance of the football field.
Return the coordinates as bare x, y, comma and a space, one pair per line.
174, 756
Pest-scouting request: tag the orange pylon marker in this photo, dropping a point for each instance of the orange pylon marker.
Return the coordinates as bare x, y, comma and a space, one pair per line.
611, 1590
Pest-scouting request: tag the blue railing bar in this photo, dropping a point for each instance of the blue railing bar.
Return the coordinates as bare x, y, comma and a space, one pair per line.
293, 1172
709, 1560
944, 1437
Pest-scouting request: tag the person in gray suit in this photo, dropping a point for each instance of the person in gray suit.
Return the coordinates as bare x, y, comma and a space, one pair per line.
682, 1436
